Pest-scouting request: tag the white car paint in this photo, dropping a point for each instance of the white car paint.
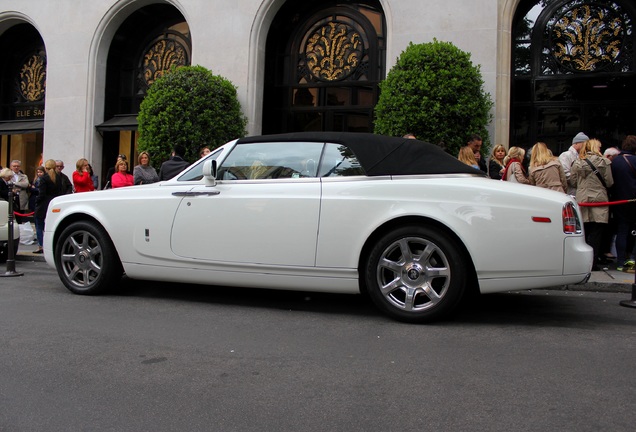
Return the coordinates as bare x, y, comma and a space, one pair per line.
235, 226
310, 233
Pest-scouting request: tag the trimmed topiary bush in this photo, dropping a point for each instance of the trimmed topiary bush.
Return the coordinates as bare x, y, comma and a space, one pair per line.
189, 106
435, 92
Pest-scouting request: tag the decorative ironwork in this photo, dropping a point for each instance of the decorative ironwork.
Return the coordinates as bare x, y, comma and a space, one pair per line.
32, 79
587, 37
161, 57
334, 51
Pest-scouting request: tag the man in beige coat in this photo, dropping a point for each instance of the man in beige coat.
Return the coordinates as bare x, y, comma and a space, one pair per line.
20, 186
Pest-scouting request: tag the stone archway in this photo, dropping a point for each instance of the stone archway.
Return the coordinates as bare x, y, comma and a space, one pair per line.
573, 68
23, 92
305, 90
143, 25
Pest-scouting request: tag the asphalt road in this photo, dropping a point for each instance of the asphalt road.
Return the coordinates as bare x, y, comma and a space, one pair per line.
160, 357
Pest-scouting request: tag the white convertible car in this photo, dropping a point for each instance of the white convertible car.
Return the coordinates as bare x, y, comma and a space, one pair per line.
396, 218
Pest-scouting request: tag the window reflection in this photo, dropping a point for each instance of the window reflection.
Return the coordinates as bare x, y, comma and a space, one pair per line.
339, 161
259, 161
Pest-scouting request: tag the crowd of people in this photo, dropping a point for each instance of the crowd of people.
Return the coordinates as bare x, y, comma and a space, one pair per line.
32, 198
582, 171
602, 183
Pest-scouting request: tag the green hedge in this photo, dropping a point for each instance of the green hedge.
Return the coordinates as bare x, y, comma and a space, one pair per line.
189, 106
435, 92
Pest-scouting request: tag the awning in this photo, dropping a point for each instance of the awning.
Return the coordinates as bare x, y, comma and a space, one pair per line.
21, 126
119, 122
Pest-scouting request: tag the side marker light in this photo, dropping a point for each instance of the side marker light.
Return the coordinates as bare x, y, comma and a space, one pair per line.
541, 219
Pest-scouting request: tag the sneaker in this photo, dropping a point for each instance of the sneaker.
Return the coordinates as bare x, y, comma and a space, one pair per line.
627, 267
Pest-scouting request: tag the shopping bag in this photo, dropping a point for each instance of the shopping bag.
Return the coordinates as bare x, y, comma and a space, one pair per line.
27, 235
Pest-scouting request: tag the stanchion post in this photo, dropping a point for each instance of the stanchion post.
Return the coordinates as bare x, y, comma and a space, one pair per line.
632, 302
10, 247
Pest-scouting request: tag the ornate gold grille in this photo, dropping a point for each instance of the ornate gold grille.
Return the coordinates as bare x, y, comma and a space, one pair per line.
587, 38
334, 51
33, 78
160, 57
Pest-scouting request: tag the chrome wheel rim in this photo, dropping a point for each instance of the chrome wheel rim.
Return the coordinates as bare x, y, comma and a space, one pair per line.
81, 259
413, 274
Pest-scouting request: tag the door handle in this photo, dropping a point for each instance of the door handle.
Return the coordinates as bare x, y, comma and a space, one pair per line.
190, 194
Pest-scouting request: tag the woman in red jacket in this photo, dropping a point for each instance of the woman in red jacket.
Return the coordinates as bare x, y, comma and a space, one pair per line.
82, 181
121, 177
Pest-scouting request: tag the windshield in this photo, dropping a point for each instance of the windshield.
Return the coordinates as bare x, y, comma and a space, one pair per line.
196, 172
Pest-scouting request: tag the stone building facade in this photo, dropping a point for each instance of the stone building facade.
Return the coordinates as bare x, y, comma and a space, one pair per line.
74, 71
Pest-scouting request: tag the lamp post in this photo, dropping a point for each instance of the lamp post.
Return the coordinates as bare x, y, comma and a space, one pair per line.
10, 247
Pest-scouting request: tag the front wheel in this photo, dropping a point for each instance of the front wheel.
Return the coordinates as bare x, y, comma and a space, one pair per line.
415, 274
86, 259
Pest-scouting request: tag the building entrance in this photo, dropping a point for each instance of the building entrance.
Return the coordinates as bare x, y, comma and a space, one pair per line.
573, 70
322, 72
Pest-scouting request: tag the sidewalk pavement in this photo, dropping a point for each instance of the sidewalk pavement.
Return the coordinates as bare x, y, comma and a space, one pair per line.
609, 280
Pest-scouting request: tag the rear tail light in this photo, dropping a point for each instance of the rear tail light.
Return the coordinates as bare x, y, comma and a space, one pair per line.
571, 222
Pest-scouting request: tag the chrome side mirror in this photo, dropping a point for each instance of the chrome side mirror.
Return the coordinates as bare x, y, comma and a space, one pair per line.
209, 172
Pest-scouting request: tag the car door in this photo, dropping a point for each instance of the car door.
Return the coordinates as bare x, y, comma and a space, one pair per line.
264, 208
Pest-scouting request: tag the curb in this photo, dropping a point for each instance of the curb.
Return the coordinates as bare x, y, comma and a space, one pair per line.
29, 256
610, 287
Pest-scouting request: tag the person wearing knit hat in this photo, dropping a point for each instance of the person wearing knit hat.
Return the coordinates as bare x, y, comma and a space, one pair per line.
580, 138
568, 157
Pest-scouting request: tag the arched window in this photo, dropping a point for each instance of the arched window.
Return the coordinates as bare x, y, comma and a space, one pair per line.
573, 70
322, 72
147, 44
22, 97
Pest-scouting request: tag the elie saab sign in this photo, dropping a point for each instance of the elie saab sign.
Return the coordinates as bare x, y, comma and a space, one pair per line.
26, 113
31, 88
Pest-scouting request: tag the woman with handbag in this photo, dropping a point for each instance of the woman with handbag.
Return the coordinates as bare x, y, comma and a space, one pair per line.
592, 175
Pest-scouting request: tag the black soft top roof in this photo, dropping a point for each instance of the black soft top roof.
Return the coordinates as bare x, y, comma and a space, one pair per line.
382, 155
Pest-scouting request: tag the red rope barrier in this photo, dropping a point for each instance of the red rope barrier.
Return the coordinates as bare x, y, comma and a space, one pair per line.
25, 215
606, 203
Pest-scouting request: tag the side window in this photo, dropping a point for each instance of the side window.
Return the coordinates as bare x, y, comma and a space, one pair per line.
339, 161
196, 173
271, 161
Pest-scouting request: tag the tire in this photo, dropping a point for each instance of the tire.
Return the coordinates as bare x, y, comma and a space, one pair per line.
86, 259
415, 274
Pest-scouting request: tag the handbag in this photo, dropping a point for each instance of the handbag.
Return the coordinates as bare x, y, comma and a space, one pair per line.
595, 171
629, 163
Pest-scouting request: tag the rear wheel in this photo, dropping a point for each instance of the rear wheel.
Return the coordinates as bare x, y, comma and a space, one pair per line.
415, 274
86, 259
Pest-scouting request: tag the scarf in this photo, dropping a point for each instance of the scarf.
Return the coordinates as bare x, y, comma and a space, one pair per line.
504, 176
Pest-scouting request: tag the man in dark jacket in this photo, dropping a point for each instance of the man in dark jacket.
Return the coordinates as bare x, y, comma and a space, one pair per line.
67, 186
475, 142
624, 188
174, 165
